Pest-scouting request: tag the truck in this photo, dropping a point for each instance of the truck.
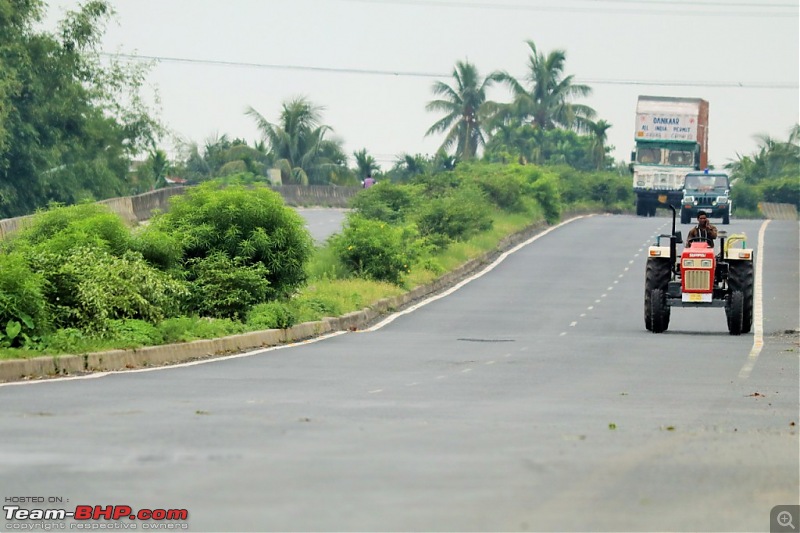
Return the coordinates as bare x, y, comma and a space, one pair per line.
671, 140
708, 191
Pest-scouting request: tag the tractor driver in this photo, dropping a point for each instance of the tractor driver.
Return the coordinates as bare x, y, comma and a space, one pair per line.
704, 230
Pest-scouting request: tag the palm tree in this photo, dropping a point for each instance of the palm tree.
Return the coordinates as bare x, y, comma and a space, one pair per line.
464, 105
546, 101
597, 131
365, 164
298, 143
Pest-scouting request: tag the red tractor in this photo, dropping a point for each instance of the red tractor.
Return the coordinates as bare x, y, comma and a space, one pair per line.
699, 277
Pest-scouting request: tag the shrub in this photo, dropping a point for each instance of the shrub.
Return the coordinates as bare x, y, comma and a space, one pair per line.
133, 333
90, 286
63, 229
505, 190
222, 287
271, 315
21, 300
385, 201
186, 329
456, 216
545, 191
251, 226
376, 250
782, 190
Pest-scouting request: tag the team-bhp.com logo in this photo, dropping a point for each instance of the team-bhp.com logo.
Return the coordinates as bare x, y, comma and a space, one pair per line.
89, 517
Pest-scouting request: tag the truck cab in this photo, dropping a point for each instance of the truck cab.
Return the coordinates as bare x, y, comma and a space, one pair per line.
707, 191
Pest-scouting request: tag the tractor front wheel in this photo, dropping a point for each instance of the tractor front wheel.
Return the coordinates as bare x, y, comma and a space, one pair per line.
735, 312
660, 311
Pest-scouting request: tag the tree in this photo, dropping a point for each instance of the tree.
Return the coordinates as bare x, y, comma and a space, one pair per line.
365, 164
597, 131
69, 125
465, 107
299, 146
546, 100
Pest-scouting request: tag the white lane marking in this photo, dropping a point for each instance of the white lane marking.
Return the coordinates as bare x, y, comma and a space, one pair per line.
463, 282
590, 307
563, 334
180, 365
375, 391
440, 377
413, 384
489, 362
573, 324
758, 308
583, 315
466, 370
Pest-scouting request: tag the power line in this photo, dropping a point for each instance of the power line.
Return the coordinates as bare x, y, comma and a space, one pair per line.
569, 9
418, 74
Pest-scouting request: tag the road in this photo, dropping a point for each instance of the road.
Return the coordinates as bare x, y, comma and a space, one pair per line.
532, 398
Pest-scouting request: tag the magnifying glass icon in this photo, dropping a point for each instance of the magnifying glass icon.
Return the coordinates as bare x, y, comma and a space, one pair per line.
785, 519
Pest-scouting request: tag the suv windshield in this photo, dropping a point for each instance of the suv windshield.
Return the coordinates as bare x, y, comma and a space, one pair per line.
706, 182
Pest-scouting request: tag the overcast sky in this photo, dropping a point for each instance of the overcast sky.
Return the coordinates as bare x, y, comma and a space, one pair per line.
371, 63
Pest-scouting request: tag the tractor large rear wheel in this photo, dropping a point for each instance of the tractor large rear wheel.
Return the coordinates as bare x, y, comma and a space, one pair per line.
734, 311
660, 311
741, 279
686, 217
657, 275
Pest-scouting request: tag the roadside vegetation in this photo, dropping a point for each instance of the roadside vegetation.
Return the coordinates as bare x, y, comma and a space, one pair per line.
230, 259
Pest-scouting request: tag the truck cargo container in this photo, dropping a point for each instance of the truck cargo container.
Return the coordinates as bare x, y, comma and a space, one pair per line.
671, 141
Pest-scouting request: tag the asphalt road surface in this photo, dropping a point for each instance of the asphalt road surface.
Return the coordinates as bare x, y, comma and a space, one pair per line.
532, 398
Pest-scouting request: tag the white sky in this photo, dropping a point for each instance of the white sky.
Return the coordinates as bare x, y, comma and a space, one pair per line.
329, 43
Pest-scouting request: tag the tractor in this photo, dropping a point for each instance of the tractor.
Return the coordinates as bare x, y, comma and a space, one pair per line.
699, 277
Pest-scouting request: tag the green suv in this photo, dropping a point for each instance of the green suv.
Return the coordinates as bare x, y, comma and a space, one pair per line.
708, 191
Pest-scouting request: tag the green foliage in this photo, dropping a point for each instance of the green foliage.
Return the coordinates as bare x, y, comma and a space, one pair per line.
88, 287
250, 226
158, 247
455, 216
61, 229
222, 287
385, 201
187, 329
782, 190
504, 185
66, 131
133, 333
21, 300
745, 197
546, 192
271, 315
376, 250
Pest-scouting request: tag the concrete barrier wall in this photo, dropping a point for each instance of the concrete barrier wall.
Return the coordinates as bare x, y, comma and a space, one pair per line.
143, 206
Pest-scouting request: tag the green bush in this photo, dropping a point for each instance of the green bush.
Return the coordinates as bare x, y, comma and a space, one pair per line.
745, 197
456, 216
187, 329
782, 191
504, 190
90, 287
133, 333
63, 229
271, 315
21, 301
545, 191
251, 226
158, 248
222, 287
385, 201
376, 250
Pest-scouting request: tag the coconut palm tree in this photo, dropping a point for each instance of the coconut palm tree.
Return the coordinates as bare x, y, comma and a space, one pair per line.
465, 107
545, 100
365, 164
597, 130
298, 143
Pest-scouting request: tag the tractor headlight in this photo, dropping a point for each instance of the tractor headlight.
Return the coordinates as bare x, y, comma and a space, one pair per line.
705, 263
688, 263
